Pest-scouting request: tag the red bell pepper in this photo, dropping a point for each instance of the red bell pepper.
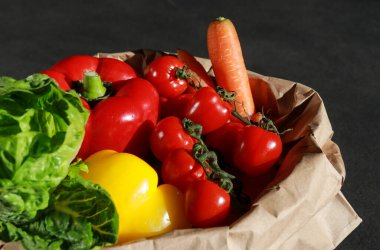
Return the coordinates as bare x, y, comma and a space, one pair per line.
120, 122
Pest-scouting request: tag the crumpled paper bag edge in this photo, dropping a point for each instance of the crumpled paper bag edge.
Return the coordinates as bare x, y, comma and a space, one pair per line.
348, 221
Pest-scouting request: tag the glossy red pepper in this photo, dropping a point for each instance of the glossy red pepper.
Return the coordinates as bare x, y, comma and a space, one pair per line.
223, 140
176, 106
164, 74
180, 169
122, 122
208, 109
71, 69
169, 135
206, 204
256, 150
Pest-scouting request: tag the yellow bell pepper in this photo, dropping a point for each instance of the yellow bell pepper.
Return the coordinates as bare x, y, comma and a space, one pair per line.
144, 209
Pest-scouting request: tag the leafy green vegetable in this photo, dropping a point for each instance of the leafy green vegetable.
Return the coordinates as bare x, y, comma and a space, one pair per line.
41, 130
80, 215
44, 202
10, 232
22, 201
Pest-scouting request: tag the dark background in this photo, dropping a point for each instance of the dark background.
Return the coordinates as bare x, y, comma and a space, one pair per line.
331, 46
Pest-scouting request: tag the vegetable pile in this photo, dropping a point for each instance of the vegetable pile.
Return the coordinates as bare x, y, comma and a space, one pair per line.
169, 149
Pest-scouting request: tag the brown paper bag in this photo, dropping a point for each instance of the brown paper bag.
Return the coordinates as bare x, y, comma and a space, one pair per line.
306, 210
325, 230
309, 179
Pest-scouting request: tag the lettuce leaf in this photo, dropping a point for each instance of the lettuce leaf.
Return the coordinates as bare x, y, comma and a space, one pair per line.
80, 215
44, 203
41, 130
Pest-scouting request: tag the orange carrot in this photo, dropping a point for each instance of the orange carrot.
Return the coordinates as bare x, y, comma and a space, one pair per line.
195, 67
228, 63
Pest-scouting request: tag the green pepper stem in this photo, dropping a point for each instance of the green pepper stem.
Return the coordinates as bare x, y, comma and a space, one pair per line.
93, 87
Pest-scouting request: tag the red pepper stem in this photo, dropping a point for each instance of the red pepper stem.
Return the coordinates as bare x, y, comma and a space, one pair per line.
265, 123
230, 96
182, 73
208, 159
93, 87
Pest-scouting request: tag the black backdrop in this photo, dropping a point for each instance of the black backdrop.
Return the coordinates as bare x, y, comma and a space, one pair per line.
331, 46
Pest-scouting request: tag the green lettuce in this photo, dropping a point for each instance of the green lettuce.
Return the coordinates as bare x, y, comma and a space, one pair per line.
80, 215
41, 130
43, 202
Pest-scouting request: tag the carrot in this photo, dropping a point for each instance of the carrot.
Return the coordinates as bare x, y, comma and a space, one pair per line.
228, 63
195, 67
